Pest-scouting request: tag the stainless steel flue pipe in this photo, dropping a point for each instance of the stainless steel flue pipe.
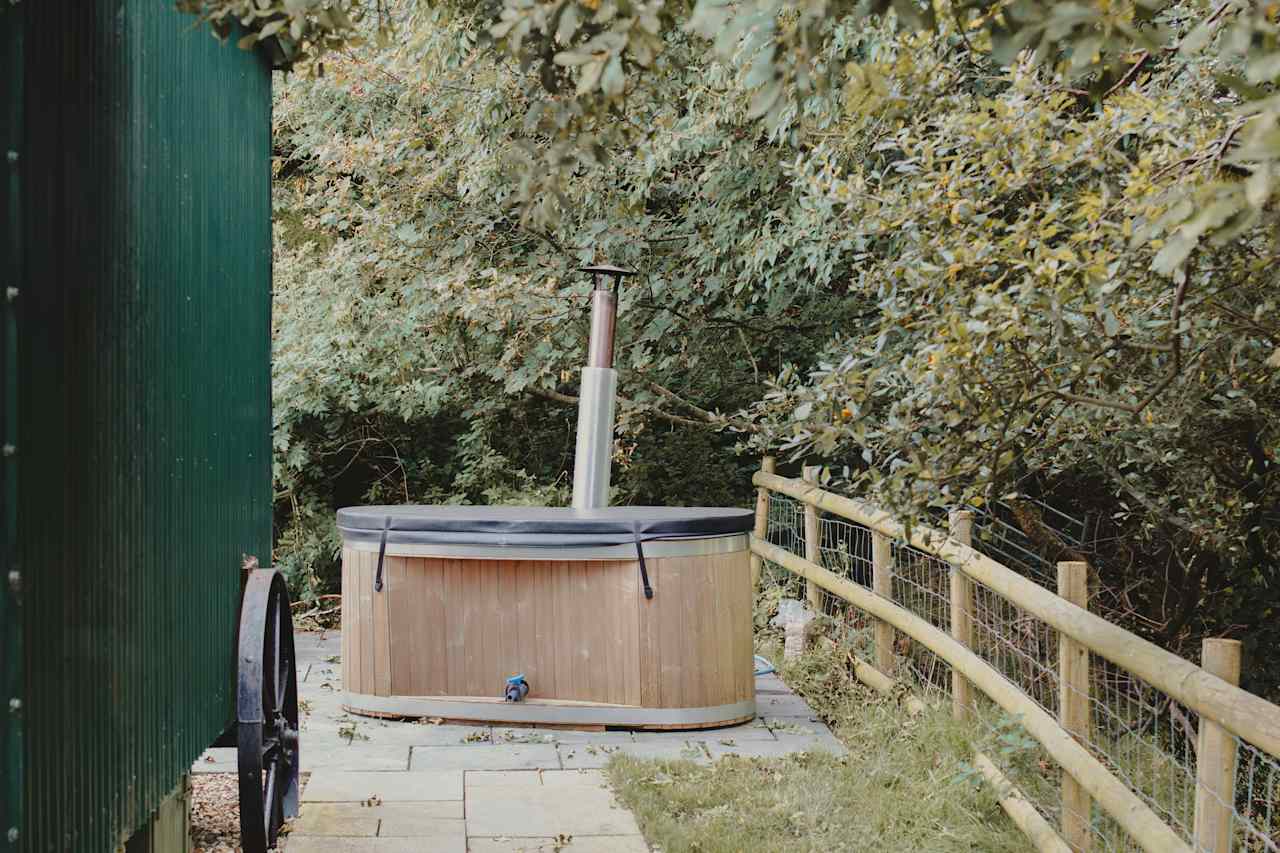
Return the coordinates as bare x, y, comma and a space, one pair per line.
597, 395
604, 324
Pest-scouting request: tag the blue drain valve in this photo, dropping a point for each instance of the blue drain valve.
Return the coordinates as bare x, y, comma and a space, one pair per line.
517, 688
763, 667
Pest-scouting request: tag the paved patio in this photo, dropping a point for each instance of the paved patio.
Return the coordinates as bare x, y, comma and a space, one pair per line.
383, 786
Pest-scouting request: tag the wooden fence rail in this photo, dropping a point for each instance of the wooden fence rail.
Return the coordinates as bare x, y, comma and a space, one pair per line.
1224, 708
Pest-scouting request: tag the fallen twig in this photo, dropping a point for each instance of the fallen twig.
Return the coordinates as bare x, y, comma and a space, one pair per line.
316, 599
317, 613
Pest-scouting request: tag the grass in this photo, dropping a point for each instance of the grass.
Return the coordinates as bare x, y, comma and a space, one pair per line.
905, 785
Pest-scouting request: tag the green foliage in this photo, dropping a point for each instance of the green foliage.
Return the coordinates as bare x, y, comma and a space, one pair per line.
1009, 229
592, 58
961, 251
427, 340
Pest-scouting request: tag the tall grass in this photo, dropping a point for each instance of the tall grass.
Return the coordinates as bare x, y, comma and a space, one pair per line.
905, 785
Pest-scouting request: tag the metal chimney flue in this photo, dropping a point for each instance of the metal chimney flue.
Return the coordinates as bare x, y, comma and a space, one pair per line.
597, 396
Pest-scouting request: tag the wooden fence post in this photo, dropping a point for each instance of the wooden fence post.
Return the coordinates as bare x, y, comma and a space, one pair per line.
882, 585
1216, 757
767, 465
1074, 710
812, 541
960, 528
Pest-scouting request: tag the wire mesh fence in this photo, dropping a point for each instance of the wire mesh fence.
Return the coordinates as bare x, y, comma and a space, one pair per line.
1143, 737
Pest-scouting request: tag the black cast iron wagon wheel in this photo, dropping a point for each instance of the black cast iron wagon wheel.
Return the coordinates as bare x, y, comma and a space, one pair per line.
266, 712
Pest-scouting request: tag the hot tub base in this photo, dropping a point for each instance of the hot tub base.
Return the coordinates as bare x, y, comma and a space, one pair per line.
550, 712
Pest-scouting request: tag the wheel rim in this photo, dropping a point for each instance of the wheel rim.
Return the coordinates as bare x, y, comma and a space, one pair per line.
266, 712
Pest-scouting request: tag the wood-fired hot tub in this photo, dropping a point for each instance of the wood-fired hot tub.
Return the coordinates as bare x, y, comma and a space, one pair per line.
471, 596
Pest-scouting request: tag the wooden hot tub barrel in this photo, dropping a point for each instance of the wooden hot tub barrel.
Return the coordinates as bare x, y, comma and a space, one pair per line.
471, 596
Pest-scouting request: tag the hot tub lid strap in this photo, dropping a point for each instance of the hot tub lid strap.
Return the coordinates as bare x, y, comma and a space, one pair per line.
644, 570
382, 552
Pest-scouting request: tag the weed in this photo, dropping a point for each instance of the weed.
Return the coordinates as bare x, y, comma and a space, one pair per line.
348, 731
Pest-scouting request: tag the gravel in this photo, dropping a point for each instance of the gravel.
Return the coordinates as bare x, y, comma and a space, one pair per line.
215, 812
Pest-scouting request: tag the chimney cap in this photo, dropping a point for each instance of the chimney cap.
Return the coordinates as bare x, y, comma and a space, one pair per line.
598, 270
607, 269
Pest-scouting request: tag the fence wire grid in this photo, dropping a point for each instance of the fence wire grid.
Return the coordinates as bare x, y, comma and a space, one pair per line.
1144, 737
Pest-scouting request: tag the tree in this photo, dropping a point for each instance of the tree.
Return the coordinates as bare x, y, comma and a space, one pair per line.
427, 339
956, 269
590, 57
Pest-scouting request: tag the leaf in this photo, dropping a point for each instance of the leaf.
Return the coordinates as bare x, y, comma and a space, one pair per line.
612, 80
271, 28
568, 25
571, 58
589, 76
764, 99
761, 70
709, 18
1196, 40
1184, 240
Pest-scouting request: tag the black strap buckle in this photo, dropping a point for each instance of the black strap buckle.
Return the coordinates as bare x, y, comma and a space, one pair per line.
382, 550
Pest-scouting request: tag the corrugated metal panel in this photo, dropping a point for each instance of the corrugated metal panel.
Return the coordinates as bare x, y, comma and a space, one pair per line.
11, 695
144, 401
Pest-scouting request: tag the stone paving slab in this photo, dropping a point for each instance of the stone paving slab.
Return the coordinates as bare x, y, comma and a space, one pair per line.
381, 732
516, 756
358, 756
359, 819
821, 739
503, 778
574, 844
411, 823
338, 820
444, 788
767, 684
736, 733
807, 725
572, 777
220, 759
527, 735
355, 787
320, 844
763, 749
782, 705
546, 811
584, 757
323, 670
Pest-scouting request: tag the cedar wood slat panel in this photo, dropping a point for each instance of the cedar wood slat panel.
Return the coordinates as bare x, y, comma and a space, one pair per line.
579, 631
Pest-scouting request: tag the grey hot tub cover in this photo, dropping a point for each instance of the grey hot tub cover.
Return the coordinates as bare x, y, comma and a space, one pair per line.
537, 525
534, 526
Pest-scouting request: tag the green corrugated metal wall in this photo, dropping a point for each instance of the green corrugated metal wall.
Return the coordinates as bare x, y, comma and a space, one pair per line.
11, 256
143, 400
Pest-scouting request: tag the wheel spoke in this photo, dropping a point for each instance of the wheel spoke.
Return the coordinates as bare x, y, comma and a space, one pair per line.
252, 823
283, 662
277, 820
270, 662
270, 796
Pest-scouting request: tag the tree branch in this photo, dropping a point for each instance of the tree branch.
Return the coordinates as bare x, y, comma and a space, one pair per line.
1174, 319
1149, 505
1128, 75
709, 417
573, 401
1140, 406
